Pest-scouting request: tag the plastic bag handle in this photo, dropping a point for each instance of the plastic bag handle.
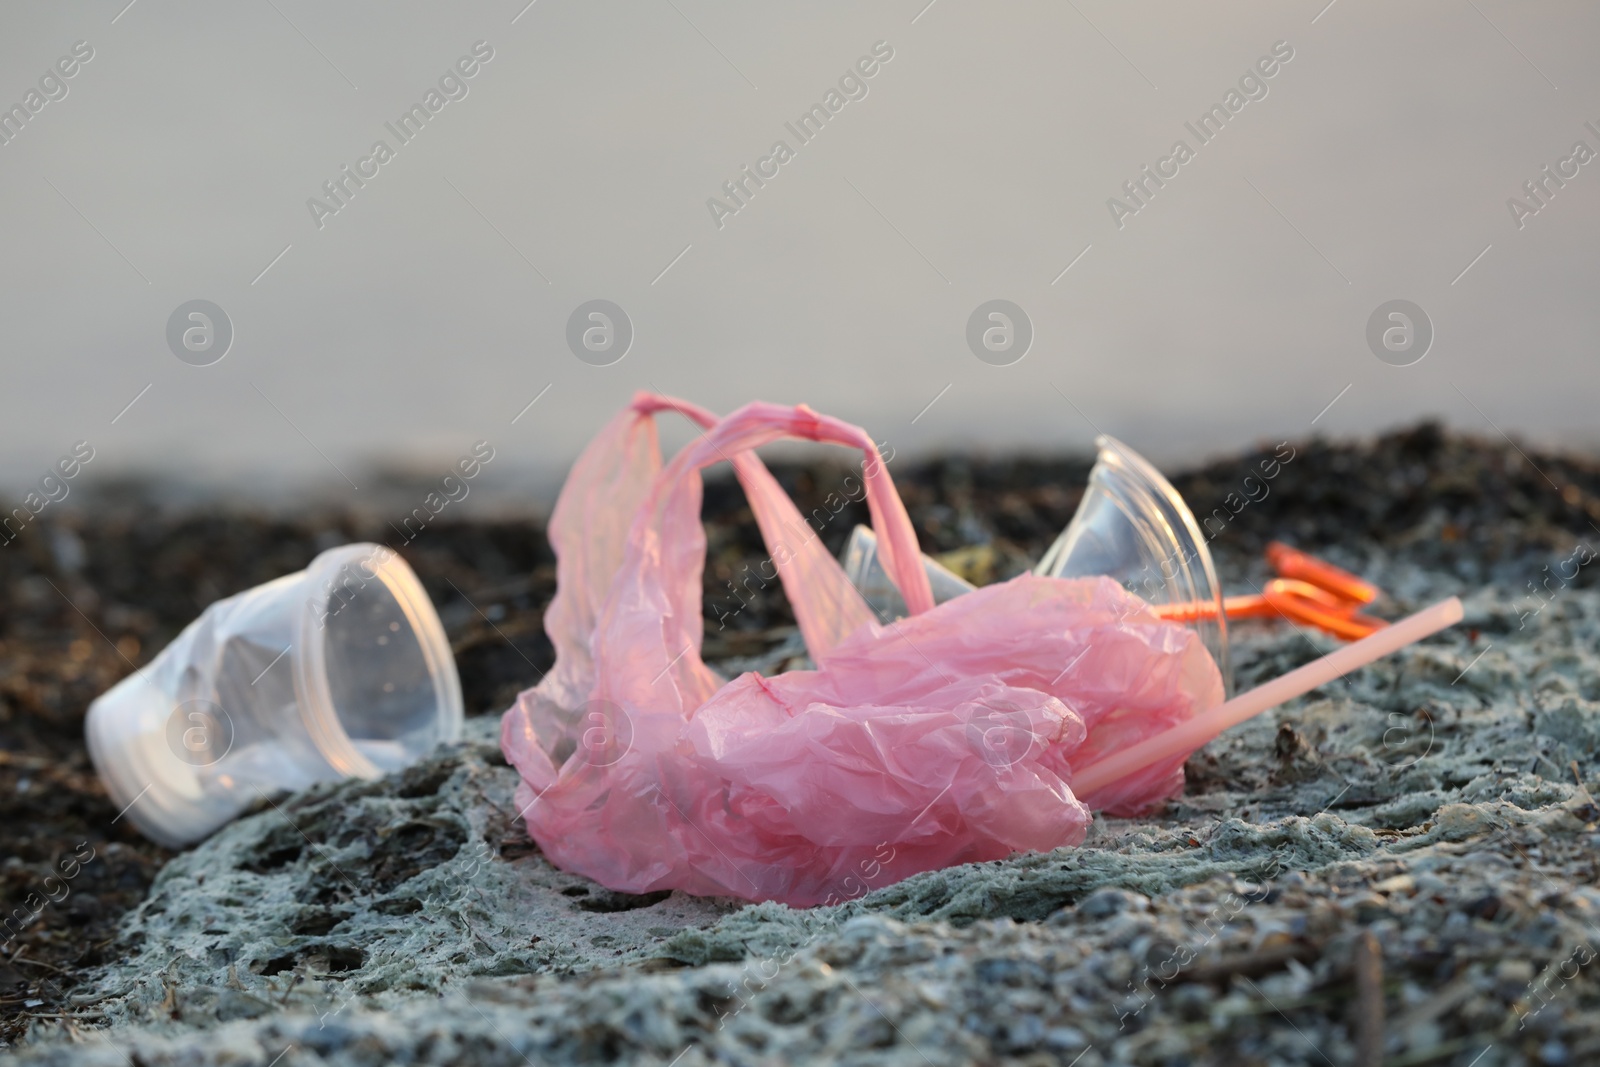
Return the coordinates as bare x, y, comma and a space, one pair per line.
826, 605
760, 423
666, 538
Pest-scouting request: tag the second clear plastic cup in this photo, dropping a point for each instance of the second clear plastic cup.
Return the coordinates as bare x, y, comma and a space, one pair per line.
339, 670
1131, 526
1134, 527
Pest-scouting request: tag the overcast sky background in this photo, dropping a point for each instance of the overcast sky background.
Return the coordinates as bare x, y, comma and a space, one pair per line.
431, 309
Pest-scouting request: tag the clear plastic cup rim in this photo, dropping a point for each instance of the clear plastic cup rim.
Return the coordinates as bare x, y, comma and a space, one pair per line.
312, 692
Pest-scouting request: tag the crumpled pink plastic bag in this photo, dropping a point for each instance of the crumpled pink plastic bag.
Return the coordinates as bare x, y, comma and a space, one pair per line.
947, 737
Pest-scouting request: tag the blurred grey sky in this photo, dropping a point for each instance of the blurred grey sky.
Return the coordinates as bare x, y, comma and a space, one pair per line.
1232, 307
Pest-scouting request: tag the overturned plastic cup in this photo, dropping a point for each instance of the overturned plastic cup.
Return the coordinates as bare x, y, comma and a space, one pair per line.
340, 670
1131, 526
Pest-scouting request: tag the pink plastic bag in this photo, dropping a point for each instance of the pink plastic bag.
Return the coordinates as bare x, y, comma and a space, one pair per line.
947, 737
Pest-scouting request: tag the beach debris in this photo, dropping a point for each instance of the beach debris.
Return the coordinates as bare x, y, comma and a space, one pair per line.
988, 724
340, 670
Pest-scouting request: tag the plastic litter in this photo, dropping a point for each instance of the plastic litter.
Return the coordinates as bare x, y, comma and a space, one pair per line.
1133, 526
339, 670
1322, 599
955, 734
1202, 728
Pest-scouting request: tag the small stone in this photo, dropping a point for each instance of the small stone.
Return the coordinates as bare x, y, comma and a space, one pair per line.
1025, 1033
1064, 1038
1514, 971
1104, 903
1554, 1053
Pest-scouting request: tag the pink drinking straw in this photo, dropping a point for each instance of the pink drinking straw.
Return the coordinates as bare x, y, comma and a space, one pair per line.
1191, 734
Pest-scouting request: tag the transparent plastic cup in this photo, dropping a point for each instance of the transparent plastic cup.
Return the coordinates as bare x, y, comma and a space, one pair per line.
861, 566
340, 670
1134, 527
1131, 526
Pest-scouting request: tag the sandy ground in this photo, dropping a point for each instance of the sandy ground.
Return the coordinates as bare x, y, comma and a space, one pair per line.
1398, 868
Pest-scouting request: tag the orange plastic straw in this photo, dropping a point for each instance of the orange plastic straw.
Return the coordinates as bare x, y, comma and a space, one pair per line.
1310, 592
1304, 602
1234, 607
1184, 738
1292, 563
1287, 598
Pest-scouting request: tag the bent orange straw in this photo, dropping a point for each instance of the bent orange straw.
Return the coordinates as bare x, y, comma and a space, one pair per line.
1304, 602
1292, 563
1310, 592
